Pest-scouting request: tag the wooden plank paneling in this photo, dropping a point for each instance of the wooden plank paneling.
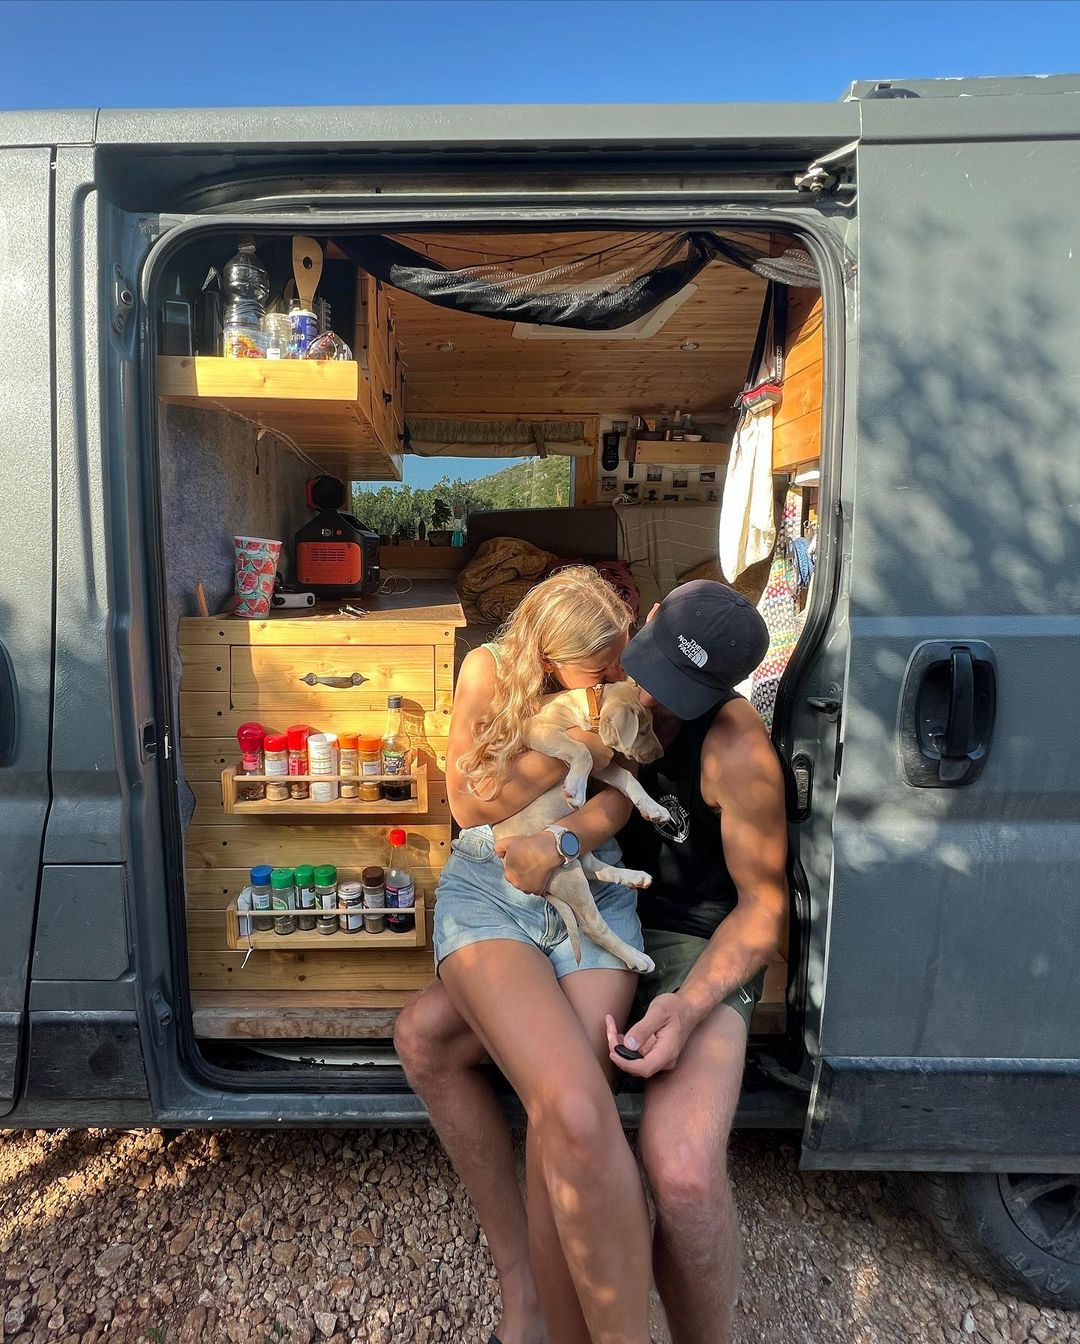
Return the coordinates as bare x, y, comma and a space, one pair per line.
797, 422
204, 714
274, 675
203, 760
211, 810
319, 841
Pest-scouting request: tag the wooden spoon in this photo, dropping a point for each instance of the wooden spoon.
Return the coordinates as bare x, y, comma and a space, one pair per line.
307, 260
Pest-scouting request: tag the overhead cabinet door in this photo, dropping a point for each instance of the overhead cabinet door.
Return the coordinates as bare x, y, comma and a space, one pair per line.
26, 575
953, 970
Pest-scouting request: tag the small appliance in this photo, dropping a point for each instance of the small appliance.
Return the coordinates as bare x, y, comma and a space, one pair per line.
336, 555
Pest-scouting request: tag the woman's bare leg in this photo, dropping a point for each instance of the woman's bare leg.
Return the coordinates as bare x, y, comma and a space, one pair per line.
508, 993
442, 1059
592, 994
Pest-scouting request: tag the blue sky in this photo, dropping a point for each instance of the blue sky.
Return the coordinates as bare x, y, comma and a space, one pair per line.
177, 53
202, 53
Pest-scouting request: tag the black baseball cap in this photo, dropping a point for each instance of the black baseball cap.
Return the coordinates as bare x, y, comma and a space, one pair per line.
703, 641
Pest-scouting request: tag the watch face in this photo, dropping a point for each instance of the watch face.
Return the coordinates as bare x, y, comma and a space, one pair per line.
569, 844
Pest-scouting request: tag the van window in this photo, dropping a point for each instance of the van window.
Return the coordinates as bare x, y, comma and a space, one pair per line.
434, 491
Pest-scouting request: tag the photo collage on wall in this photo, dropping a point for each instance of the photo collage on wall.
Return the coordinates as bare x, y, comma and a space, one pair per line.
663, 485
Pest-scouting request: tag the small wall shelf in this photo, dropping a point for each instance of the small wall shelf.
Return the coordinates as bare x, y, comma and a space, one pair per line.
322, 406
665, 452
232, 776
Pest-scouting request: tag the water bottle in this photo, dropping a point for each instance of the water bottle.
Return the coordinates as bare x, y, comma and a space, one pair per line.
247, 286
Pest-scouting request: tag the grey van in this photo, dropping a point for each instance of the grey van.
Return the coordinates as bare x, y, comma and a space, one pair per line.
929, 714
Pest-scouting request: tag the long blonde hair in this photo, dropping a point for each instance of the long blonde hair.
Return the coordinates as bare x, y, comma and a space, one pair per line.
566, 619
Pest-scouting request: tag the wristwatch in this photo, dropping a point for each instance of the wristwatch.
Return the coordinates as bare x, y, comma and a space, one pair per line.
566, 842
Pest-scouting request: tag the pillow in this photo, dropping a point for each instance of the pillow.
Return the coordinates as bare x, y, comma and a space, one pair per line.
750, 583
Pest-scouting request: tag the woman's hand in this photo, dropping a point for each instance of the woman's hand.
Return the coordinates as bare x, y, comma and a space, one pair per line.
529, 861
601, 754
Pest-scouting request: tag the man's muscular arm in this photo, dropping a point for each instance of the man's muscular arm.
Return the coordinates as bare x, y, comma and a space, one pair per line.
741, 779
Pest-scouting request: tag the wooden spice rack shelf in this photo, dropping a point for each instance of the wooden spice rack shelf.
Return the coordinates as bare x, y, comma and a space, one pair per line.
305, 940
417, 805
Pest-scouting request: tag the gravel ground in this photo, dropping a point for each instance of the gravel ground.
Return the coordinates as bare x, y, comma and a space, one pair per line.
290, 1238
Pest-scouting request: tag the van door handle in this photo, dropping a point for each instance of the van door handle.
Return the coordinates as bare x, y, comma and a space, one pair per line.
948, 704
9, 708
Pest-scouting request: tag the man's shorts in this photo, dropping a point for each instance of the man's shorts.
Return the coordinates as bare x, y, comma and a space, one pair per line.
675, 954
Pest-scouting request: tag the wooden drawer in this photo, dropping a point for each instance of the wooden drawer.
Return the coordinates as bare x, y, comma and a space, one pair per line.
268, 678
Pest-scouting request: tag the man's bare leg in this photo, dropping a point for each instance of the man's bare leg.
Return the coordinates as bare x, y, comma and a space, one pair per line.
686, 1122
441, 1057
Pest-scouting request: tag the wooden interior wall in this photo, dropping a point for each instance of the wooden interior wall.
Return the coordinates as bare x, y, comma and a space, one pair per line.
797, 423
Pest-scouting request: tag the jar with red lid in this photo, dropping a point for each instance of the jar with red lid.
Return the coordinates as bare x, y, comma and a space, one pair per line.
298, 735
249, 738
276, 762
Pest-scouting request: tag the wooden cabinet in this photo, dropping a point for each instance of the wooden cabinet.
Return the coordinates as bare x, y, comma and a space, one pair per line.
235, 671
382, 369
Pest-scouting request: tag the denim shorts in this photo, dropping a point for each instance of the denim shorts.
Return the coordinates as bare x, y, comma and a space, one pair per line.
474, 903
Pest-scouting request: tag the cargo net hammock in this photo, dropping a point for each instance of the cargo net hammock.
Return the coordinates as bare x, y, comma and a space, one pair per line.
600, 290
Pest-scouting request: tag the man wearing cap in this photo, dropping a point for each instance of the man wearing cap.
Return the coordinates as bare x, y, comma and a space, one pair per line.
713, 917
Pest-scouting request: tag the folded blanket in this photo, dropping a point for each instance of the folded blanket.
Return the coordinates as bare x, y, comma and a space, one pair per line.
498, 576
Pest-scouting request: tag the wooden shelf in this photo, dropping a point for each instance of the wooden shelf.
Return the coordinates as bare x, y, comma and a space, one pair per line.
417, 805
304, 940
322, 406
665, 452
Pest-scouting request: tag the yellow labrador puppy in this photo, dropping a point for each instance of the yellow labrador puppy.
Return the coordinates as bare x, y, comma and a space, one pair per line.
624, 725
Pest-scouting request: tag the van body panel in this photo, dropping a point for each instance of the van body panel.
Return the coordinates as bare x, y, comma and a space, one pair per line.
26, 576
952, 929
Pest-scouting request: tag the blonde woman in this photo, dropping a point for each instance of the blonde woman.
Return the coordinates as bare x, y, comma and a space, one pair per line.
504, 958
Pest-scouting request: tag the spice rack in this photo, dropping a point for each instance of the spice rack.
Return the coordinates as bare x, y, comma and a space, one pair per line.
303, 807
304, 940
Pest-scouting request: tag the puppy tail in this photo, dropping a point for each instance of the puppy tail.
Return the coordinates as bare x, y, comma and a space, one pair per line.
570, 920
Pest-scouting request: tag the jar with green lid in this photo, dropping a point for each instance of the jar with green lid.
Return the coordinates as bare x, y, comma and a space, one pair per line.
283, 885
306, 897
326, 897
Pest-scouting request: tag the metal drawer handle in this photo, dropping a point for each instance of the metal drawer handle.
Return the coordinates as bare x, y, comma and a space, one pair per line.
356, 679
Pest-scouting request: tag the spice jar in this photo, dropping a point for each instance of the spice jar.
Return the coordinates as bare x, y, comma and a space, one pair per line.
348, 764
305, 897
369, 752
327, 897
322, 760
261, 897
282, 881
249, 737
374, 900
276, 762
298, 759
351, 898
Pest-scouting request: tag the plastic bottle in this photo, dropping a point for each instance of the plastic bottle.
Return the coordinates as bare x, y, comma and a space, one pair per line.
283, 880
261, 897
306, 898
246, 288
395, 753
326, 892
400, 891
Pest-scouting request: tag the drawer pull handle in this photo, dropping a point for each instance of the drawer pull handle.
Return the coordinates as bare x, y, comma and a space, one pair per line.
356, 679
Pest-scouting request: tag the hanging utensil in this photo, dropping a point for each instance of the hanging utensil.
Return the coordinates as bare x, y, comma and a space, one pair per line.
307, 260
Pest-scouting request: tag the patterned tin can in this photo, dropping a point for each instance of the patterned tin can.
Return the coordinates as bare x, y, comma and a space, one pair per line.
305, 327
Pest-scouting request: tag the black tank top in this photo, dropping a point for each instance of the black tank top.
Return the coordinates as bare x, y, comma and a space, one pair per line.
692, 890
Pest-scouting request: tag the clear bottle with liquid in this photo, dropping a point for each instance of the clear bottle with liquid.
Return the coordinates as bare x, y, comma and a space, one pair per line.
395, 753
247, 287
400, 890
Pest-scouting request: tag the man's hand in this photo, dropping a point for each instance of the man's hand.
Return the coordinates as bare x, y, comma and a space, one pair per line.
529, 861
660, 1037
601, 753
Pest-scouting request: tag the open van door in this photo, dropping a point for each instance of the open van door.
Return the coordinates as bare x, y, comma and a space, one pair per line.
950, 1037
26, 576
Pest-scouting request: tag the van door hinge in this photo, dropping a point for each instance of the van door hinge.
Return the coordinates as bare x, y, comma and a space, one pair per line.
824, 176
123, 301
161, 1015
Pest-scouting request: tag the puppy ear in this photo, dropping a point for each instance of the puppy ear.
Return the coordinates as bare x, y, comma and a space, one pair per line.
618, 726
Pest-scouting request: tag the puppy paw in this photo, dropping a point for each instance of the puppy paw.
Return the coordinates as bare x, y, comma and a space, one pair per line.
634, 877
642, 964
654, 811
574, 787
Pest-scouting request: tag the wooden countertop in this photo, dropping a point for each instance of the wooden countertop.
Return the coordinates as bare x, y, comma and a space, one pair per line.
431, 599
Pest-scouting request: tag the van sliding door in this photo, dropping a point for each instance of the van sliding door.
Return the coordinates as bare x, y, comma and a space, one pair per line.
950, 1033
26, 576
